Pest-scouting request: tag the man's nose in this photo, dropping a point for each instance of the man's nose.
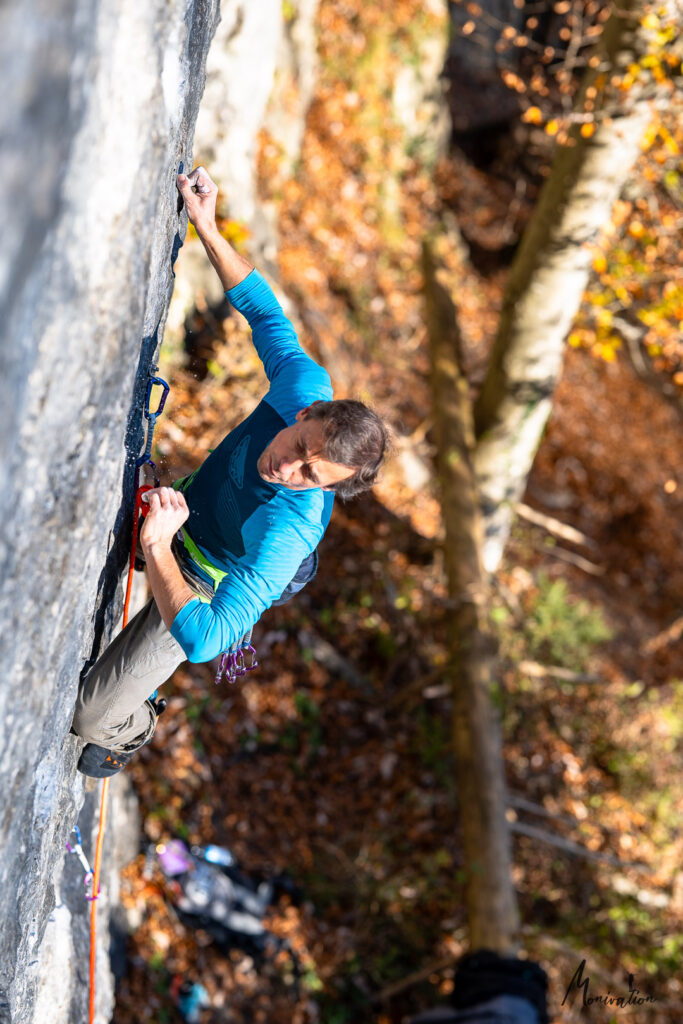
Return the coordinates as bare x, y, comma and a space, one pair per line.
289, 468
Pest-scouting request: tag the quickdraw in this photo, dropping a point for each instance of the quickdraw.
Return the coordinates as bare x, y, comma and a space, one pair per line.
77, 849
151, 417
141, 509
237, 661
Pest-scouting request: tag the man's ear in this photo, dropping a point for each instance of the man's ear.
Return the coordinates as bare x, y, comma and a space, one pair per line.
303, 413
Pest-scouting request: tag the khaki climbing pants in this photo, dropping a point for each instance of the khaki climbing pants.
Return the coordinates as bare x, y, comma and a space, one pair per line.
112, 707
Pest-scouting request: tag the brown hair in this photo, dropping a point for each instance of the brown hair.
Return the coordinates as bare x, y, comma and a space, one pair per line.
353, 436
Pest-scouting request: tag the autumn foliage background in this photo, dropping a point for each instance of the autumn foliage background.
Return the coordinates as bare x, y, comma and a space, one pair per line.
333, 762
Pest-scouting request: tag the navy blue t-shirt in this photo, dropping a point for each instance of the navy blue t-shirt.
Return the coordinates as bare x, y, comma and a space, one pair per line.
257, 532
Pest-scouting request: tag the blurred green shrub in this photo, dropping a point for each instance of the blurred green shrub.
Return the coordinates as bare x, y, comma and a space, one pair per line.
562, 629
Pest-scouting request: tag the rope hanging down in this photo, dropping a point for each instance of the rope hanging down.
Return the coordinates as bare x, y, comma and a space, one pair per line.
140, 509
235, 662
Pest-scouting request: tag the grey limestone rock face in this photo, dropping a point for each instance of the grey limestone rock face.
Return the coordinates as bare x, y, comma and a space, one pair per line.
242, 96
237, 89
101, 98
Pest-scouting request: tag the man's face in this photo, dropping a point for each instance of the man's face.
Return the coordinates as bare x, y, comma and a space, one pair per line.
292, 460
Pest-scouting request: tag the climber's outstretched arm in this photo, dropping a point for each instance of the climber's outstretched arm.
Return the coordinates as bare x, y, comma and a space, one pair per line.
293, 375
201, 209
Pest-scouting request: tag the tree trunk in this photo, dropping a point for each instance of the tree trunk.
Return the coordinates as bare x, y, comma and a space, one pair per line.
548, 278
492, 907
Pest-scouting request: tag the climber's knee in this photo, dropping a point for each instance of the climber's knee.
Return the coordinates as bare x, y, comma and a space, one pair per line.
92, 725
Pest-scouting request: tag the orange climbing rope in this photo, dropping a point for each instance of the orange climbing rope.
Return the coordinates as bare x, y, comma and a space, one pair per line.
139, 512
93, 898
105, 783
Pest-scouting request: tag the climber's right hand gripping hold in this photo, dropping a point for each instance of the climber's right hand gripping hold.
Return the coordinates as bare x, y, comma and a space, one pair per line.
199, 194
167, 512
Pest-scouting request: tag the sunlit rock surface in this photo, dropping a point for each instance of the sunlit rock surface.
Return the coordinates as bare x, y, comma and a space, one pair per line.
100, 100
244, 95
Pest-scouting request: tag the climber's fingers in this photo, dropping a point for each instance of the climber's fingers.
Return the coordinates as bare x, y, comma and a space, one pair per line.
167, 512
165, 497
199, 194
201, 180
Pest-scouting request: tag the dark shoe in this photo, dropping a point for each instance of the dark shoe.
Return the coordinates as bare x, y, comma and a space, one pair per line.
158, 703
100, 763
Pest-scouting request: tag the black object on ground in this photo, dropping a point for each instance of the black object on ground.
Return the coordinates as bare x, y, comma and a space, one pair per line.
490, 989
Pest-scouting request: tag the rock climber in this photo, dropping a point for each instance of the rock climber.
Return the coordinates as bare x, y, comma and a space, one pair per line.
240, 532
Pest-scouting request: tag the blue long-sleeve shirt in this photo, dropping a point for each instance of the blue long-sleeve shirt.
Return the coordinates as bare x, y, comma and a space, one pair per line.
256, 532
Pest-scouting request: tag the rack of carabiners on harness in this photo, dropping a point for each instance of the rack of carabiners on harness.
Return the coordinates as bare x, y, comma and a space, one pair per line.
239, 659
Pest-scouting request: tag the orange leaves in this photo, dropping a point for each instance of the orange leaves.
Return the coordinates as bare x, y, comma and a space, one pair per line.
599, 263
650, 21
638, 263
670, 143
513, 81
236, 232
532, 115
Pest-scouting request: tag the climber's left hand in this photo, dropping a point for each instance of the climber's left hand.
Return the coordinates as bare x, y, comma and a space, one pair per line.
167, 512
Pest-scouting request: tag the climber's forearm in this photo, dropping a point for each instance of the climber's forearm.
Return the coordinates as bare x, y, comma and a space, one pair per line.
230, 266
199, 194
170, 590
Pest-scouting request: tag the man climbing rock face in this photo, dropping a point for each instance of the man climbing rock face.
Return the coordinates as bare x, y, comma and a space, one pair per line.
241, 532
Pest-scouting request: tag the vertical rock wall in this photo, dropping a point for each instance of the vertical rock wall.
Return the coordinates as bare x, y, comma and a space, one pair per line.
100, 102
242, 96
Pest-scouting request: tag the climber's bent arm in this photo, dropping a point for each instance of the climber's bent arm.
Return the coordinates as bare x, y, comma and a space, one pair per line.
170, 590
167, 511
